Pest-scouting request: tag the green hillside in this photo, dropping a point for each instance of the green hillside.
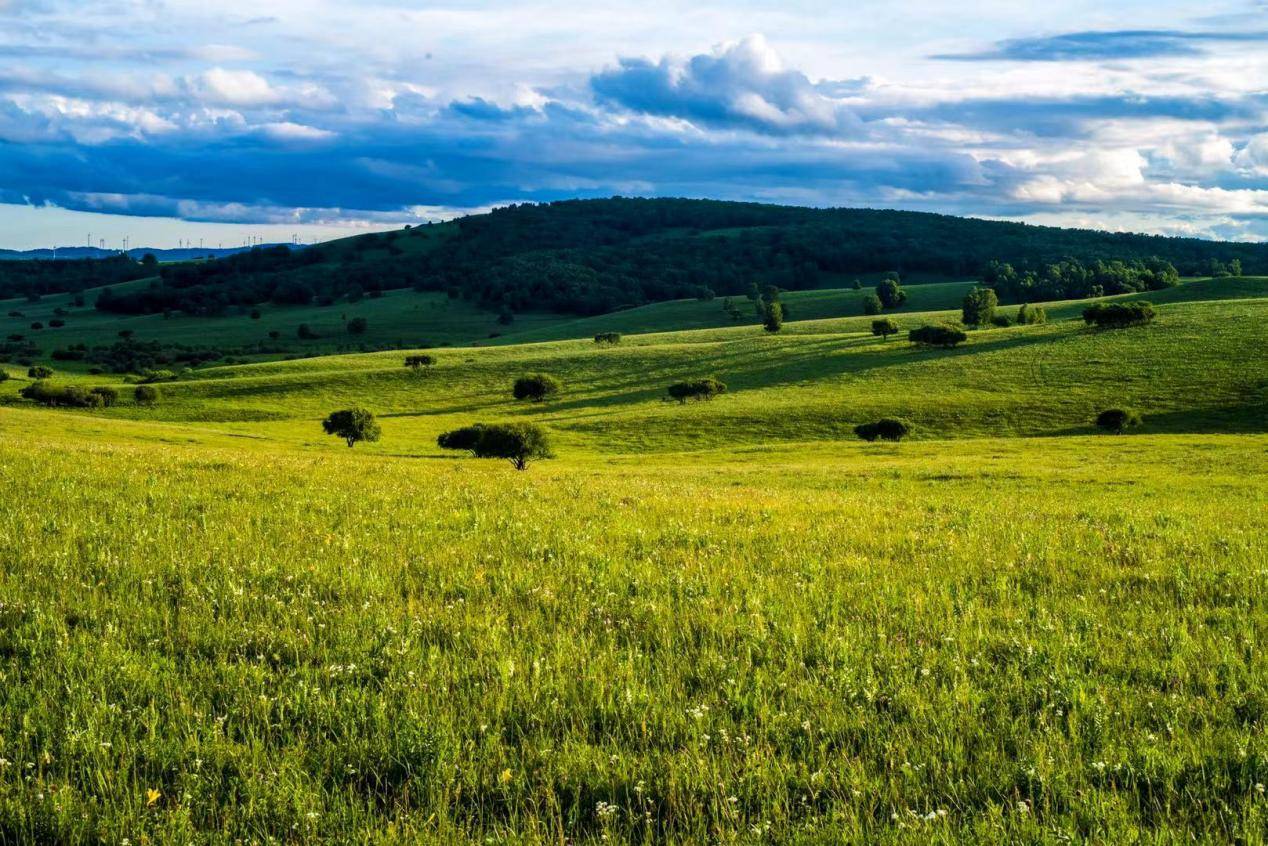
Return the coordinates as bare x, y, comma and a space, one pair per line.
715, 622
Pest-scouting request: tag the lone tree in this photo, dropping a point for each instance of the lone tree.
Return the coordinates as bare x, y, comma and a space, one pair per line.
890, 292
39, 371
886, 429
419, 362
146, 394
940, 335
872, 304
978, 308
353, 425
696, 389
357, 326
884, 327
773, 316
518, 443
610, 339
1117, 420
535, 387
1119, 315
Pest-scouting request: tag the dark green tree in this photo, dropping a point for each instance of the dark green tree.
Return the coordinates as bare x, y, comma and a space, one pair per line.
872, 304
1117, 420
884, 327
535, 387
890, 293
938, 335
353, 425
978, 308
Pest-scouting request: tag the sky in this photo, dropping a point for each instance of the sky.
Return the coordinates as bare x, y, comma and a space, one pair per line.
170, 121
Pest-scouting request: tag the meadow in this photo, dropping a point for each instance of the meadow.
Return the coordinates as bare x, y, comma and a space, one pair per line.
720, 622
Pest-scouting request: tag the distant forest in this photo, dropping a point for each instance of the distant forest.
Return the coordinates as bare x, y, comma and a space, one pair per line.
594, 256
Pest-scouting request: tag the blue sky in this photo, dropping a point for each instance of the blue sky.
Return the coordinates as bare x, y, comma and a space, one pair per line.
167, 120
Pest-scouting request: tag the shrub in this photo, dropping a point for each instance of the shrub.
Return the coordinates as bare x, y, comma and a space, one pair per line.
357, 326
884, 327
1029, 315
56, 323
1001, 320
418, 362
146, 394
773, 316
4, 375
696, 389
353, 425
37, 325
465, 438
609, 338
255, 314
39, 371
872, 304
151, 376
109, 396
1117, 420
890, 293
535, 387
979, 306
518, 443
68, 354
305, 333
1119, 315
938, 335
68, 396
886, 429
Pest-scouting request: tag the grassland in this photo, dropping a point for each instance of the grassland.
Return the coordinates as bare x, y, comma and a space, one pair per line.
721, 622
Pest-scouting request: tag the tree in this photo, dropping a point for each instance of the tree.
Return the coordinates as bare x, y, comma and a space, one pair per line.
305, 333
773, 316
109, 396
884, 327
872, 304
465, 438
39, 371
535, 387
610, 339
255, 314
696, 389
1119, 315
353, 425
146, 394
149, 262
939, 335
890, 293
518, 443
979, 306
357, 326
1117, 420
419, 362
886, 429
1029, 315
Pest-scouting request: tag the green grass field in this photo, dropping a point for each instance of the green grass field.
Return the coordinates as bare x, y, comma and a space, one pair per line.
720, 622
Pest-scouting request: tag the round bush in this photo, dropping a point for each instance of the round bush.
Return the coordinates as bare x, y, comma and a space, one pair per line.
535, 387
146, 394
939, 335
1117, 420
885, 429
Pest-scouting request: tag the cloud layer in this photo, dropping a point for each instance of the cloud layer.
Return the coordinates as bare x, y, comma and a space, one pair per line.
150, 108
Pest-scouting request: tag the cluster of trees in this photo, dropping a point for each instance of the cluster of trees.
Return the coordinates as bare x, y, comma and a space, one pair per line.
1075, 279
609, 339
419, 362
44, 392
885, 429
33, 279
595, 256
938, 335
1118, 315
696, 389
518, 443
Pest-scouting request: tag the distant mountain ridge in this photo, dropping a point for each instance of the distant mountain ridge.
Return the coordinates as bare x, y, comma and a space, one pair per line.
160, 253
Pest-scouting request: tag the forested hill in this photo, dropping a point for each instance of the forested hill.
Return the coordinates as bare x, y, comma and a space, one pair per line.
593, 256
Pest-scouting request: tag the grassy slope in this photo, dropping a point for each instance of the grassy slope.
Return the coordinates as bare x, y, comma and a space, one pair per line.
975, 641
775, 639
1200, 367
